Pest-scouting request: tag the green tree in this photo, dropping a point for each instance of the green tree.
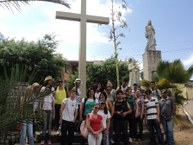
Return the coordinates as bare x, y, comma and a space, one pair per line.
106, 71
38, 57
116, 17
11, 96
174, 71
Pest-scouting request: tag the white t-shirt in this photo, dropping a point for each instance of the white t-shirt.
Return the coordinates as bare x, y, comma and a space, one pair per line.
48, 100
105, 117
97, 94
69, 109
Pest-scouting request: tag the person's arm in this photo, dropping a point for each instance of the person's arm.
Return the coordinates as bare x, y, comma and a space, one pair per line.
75, 114
61, 112
88, 124
81, 111
129, 110
110, 105
115, 112
108, 123
108, 120
158, 112
145, 115
53, 109
142, 109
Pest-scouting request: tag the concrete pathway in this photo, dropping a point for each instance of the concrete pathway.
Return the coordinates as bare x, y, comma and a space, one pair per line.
188, 109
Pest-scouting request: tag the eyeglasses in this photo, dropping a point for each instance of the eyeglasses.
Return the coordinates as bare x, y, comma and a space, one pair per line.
102, 103
96, 108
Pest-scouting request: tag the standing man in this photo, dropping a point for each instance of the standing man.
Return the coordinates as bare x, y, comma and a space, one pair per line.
77, 84
167, 109
123, 86
121, 110
152, 117
154, 91
68, 114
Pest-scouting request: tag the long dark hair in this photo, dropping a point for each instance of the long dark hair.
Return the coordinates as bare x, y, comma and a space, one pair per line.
88, 91
86, 98
104, 94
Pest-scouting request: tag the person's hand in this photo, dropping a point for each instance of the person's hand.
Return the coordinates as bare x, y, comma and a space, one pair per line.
96, 135
105, 132
60, 121
145, 120
80, 118
118, 113
124, 114
53, 116
158, 120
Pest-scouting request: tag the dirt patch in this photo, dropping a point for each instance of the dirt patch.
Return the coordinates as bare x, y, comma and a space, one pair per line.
183, 129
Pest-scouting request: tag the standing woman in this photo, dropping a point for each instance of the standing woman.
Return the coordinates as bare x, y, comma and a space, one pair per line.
106, 117
95, 126
121, 110
27, 123
60, 95
139, 115
47, 105
131, 117
87, 104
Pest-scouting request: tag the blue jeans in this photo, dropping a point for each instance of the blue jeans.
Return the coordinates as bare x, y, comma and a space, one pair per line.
153, 124
27, 126
168, 129
105, 139
47, 125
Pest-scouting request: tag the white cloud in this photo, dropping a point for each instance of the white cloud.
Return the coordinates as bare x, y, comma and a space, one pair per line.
38, 19
188, 61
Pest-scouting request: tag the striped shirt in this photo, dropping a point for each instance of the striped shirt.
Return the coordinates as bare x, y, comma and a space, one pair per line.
151, 108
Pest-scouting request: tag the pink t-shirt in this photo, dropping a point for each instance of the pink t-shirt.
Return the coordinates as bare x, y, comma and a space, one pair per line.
95, 123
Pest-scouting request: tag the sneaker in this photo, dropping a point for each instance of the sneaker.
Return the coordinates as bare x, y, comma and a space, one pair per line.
112, 141
42, 142
49, 142
35, 139
130, 140
57, 133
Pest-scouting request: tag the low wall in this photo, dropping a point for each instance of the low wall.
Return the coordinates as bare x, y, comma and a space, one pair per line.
187, 90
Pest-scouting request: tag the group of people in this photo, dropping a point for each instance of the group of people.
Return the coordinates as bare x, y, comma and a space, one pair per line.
107, 112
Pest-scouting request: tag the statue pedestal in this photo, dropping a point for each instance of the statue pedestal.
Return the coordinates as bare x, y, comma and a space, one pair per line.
151, 59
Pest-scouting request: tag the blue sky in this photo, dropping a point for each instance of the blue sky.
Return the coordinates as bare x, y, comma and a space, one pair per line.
171, 20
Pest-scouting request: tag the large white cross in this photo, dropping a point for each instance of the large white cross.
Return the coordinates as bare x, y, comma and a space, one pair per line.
83, 18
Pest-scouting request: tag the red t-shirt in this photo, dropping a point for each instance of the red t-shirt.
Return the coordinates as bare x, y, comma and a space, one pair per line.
95, 123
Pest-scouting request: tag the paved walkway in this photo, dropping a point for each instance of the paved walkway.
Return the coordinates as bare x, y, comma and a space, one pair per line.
188, 109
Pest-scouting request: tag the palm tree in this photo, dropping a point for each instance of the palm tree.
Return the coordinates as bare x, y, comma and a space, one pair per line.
16, 3
174, 71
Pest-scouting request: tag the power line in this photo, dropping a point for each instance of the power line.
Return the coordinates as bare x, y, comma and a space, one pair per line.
173, 50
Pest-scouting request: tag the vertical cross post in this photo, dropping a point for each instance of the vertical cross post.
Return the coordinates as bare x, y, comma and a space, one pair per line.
83, 18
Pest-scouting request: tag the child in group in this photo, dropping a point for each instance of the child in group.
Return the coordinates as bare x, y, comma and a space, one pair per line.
106, 117
68, 114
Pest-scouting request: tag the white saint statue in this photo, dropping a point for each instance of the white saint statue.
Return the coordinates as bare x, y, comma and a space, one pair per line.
133, 72
150, 35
